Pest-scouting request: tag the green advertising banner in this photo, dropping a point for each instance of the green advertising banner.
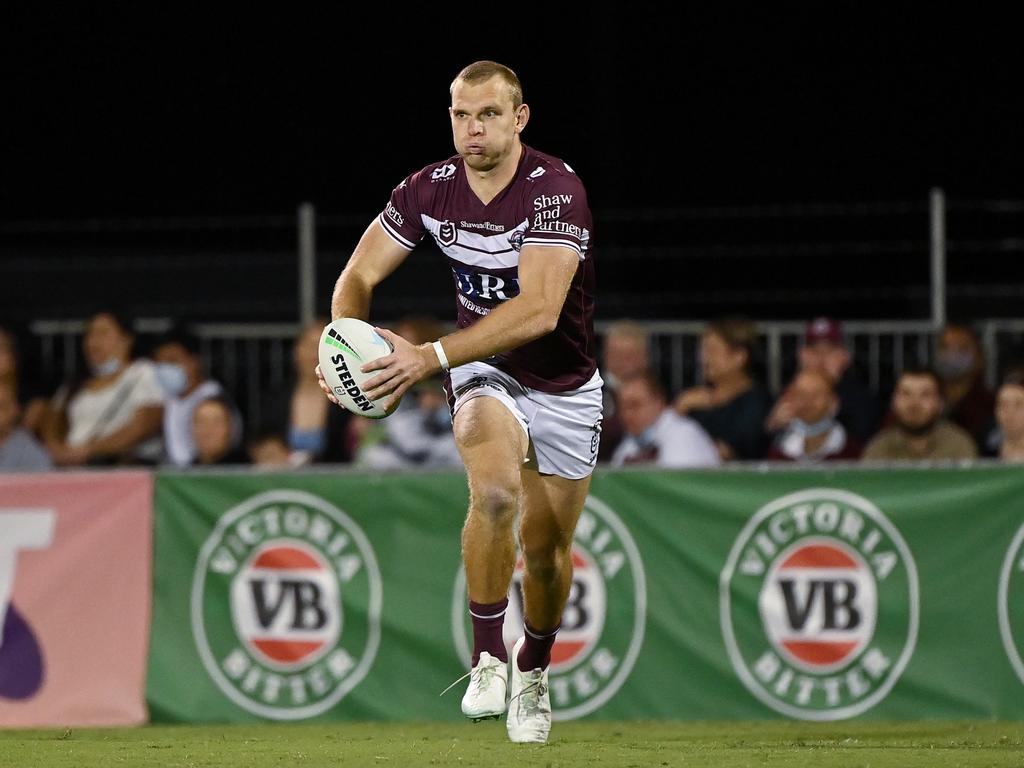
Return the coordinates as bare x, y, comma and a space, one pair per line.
806, 594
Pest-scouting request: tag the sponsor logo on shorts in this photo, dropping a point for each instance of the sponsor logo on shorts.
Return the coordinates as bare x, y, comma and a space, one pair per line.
819, 605
300, 583
592, 657
22, 667
1011, 603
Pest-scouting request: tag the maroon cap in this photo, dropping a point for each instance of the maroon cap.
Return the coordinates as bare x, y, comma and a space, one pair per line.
824, 329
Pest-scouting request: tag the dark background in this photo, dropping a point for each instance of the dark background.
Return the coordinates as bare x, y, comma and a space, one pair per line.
769, 162
162, 110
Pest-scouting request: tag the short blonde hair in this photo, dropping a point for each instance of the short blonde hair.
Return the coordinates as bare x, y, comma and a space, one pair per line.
482, 71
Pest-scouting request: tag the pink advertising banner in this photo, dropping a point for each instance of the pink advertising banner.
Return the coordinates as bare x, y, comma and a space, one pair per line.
75, 560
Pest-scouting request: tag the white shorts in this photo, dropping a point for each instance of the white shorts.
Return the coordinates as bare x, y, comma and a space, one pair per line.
564, 428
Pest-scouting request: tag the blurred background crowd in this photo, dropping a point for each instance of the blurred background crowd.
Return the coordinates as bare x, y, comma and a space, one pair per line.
150, 400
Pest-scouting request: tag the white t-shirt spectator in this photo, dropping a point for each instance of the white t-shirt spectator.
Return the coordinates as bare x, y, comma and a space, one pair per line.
673, 441
181, 448
96, 413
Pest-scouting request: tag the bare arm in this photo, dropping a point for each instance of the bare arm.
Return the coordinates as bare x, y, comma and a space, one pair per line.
375, 257
545, 274
145, 422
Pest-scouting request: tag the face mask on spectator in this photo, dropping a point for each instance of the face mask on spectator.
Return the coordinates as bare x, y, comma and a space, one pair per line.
172, 378
954, 365
814, 428
107, 367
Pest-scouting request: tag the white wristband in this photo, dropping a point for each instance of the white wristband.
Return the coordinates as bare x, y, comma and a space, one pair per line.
442, 358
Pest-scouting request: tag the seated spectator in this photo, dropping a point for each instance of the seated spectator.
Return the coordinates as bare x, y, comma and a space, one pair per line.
920, 431
960, 363
214, 433
113, 413
27, 390
732, 406
655, 433
19, 450
179, 370
1010, 416
315, 429
813, 433
824, 350
418, 434
270, 450
626, 354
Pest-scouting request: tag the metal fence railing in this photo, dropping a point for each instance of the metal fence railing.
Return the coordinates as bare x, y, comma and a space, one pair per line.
254, 359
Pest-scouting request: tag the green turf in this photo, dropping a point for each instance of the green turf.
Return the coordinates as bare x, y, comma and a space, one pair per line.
723, 745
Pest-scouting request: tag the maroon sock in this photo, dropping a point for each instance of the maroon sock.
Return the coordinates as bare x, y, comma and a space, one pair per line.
536, 651
487, 621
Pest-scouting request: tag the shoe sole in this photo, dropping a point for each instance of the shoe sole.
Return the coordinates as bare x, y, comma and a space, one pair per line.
481, 718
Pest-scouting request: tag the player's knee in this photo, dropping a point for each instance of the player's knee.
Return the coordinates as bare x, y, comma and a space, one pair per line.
495, 503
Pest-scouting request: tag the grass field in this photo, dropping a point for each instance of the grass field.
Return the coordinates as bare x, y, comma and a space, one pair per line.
723, 745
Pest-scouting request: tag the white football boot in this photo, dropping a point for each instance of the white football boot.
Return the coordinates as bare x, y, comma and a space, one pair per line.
488, 684
529, 708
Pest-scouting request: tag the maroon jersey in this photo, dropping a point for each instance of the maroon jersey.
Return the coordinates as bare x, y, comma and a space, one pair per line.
545, 204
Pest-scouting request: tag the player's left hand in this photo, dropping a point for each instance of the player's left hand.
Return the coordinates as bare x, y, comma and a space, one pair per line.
399, 371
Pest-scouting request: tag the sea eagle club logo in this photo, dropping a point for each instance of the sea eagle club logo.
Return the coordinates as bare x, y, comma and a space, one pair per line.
819, 605
286, 604
593, 655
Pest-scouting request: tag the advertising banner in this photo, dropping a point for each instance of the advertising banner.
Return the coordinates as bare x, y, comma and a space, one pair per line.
74, 598
804, 594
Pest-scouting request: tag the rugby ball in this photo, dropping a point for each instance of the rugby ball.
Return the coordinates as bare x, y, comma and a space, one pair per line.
346, 345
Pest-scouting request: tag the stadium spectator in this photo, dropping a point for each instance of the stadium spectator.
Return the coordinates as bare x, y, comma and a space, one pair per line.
270, 450
314, 431
179, 370
919, 430
813, 433
655, 433
626, 353
824, 350
214, 433
19, 450
1010, 416
960, 363
16, 373
366, 435
418, 434
733, 406
112, 414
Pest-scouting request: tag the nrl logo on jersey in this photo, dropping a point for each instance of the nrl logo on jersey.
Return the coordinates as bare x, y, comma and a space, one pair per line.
442, 172
819, 605
447, 233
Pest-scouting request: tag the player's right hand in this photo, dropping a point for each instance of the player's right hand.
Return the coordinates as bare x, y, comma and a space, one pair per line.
325, 388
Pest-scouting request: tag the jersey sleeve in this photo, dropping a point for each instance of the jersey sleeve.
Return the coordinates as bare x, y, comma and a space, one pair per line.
559, 215
401, 216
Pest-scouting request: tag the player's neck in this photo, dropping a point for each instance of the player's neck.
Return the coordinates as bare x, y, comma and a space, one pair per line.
487, 184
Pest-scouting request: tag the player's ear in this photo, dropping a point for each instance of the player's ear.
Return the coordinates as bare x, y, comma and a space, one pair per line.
522, 117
